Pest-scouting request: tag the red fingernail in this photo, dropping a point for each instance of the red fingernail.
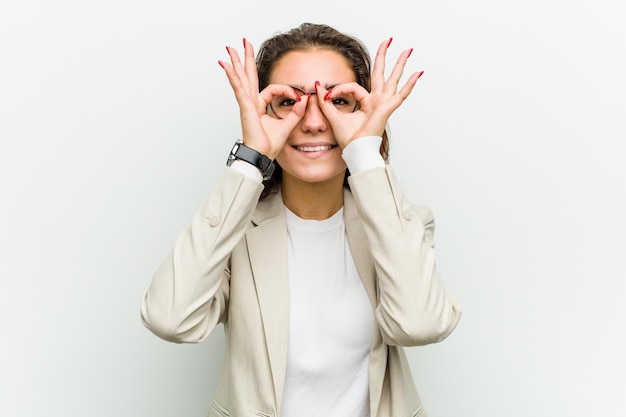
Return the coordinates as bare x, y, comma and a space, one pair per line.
420, 74
228, 49
389, 43
221, 64
327, 95
317, 84
296, 95
244, 43
410, 52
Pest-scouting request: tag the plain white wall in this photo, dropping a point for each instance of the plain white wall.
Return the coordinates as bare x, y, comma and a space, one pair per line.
115, 120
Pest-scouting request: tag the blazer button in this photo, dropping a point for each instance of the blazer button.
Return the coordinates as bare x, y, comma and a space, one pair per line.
407, 214
214, 221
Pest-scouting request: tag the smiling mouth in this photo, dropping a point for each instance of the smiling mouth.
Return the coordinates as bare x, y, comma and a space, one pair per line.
314, 148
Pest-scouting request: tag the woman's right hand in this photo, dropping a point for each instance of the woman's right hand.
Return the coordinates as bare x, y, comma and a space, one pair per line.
260, 131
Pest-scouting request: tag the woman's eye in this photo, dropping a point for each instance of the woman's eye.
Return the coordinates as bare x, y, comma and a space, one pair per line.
287, 102
344, 103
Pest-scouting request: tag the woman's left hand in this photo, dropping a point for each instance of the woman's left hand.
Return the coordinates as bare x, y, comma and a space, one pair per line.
375, 107
261, 132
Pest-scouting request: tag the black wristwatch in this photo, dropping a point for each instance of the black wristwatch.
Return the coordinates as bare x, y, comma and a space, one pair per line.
263, 162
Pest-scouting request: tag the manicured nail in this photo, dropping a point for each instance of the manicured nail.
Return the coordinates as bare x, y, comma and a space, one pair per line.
244, 43
228, 49
317, 84
296, 95
221, 64
389, 43
420, 74
327, 95
410, 52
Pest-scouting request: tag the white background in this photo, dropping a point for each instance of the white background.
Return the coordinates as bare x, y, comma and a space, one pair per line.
115, 121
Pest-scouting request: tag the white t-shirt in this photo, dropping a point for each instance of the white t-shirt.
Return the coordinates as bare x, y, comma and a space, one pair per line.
331, 323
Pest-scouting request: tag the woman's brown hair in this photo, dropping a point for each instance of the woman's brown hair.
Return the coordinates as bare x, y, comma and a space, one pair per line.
305, 37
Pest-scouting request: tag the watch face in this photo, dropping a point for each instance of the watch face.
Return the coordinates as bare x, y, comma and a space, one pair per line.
232, 156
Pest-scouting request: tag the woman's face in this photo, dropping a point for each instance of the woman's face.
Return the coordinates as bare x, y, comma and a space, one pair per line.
311, 153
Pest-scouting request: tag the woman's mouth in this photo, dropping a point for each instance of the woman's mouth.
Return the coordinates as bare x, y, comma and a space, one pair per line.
316, 148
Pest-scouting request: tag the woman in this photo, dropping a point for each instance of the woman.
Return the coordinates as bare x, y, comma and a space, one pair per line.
306, 250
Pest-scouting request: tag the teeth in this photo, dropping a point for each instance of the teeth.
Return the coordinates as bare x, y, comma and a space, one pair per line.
314, 148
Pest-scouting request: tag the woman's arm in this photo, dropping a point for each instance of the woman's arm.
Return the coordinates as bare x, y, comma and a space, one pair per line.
188, 295
414, 307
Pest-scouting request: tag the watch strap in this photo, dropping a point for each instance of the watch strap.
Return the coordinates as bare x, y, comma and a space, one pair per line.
251, 156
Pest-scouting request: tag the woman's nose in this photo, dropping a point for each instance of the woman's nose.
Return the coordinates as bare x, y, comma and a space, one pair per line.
313, 117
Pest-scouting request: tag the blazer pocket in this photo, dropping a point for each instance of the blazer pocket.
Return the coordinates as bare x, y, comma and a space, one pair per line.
216, 410
419, 412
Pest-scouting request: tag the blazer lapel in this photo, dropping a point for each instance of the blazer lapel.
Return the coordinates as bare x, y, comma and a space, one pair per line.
359, 247
364, 261
267, 243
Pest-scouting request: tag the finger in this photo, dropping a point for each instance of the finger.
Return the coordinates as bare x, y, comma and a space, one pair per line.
278, 90
296, 114
300, 107
378, 71
352, 89
250, 66
396, 73
408, 86
241, 93
230, 74
237, 66
324, 101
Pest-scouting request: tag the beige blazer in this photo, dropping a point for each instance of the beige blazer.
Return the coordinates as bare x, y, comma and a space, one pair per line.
230, 266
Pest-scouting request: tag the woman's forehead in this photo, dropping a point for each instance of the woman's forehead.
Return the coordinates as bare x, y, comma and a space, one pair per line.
300, 69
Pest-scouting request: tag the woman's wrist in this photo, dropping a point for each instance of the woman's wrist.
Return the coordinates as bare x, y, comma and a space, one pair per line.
363, 153
247, 169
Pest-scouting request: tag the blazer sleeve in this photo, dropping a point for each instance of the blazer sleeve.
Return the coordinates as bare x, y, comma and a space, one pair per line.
188, 294
414, 307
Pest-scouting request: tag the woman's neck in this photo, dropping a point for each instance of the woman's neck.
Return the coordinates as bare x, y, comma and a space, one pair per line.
312, 200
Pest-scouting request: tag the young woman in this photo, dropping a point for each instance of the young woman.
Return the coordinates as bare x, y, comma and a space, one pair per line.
307, 251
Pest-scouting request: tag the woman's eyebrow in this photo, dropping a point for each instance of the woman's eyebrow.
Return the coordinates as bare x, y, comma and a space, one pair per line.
303, 89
